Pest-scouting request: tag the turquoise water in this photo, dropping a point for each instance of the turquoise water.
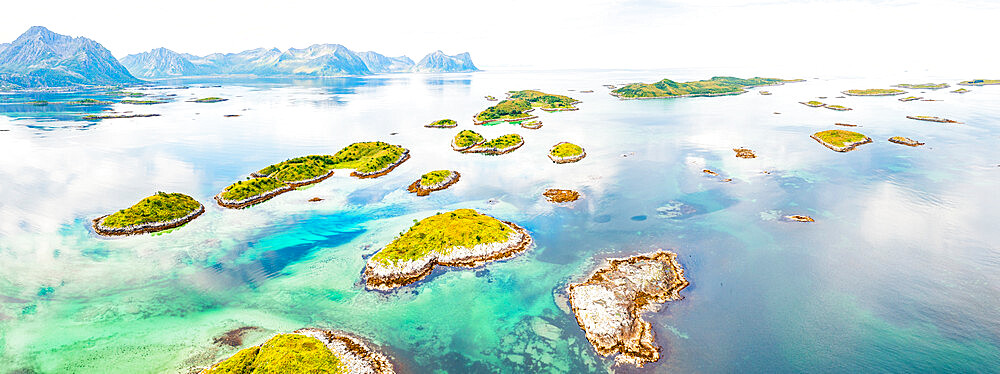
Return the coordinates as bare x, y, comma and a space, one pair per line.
898, 274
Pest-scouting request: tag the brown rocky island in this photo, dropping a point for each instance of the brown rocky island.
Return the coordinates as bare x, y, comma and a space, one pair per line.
460, 238
609, 304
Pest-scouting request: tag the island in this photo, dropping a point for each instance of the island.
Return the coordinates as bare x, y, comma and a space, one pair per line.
932, 119
840, 140
874, 92
560, 196
370, 159
923, 86
208, 100
979, 82
532, 125
89, 102
250, 192
299, 171
566, 152
812, 103
307, 351
905, 141
799, 218
961, 91
460, 238
501, 145
910, 98
466, 139
159, 212
744, 153
609, 304
442, 124
765, 93
717, 86
39, 103
838, 107
91, 117
142, 102
125, 93
519, 104
490, 98
434, 181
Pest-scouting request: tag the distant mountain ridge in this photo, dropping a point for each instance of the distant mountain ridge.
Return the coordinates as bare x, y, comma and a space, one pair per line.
315, 60
42, 58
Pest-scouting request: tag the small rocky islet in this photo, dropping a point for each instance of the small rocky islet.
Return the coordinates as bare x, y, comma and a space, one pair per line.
609, 304
460, 238
307, 350
840, 140
434, 181
442, 124
566, 152
161, 211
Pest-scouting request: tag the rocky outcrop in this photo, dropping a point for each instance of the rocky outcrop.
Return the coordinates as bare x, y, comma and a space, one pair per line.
42, 58
252, 200
799, 218
386, 276
422, 190
744, 153
149, 227
560, 196
356, 355
609, 304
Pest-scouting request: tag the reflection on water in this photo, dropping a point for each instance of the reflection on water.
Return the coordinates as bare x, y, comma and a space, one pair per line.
897, 274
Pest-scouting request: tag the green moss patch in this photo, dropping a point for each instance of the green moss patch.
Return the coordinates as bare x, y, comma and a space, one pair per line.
441, 232
839, 138
285, 353
367, 157
252, 187
157, 208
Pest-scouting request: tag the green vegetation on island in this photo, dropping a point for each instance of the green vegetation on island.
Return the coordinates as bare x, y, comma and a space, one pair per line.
242, 190
712, 87
142, 102
874, 92
434, 177
519, 103
368, 157
285, 353
299, 168
160, 207
813, 103
442, 232
504, 141
89, 102
208, 100
543, 100
504, 111
125, 93
566, 150
837, 107
920, 86
443, 123
980, 82
467, 138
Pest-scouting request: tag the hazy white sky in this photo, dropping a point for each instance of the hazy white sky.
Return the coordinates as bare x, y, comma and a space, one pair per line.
840, 34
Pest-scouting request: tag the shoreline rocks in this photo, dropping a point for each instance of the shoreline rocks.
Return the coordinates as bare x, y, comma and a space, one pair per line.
609, 304
422, 190
145, 228
384, 277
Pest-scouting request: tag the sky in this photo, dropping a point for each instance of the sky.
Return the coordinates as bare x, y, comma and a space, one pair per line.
771, 35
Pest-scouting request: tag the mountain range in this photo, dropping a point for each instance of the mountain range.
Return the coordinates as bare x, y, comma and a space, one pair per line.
42, 58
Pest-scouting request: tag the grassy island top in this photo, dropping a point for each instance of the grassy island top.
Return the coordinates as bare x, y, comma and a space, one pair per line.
467, 138
566, 150
367, 157
875, 92
980, 82
505, 110
434, 177
543, 100
814, 103
251, 187
209, 100
714, 86
917, 86
89, 102
443, 123
285, 353
299, 168
125, 93
441, 232
157, 208
503, 141
839, 138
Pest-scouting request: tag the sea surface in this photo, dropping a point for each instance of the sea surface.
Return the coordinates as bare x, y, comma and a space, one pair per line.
899, 273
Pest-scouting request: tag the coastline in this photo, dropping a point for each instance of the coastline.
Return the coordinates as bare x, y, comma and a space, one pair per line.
424, 191
385, 277
494, 151
385, 170
356, 353
847, 146
145, 228
252, 200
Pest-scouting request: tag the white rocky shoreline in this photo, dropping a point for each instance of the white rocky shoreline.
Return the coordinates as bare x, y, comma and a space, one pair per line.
385, 277
148, 227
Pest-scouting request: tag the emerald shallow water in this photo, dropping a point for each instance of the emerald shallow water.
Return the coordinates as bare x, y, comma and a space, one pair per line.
898, 274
